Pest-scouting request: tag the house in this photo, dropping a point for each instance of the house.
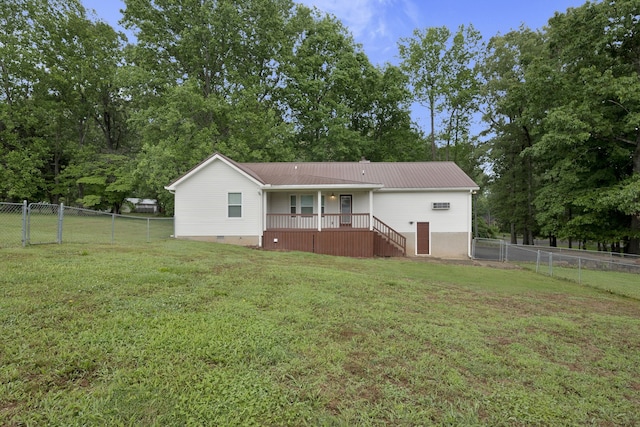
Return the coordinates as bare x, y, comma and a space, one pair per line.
140, 205
358, 209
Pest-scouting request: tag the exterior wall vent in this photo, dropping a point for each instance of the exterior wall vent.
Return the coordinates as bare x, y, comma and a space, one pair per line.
440, 205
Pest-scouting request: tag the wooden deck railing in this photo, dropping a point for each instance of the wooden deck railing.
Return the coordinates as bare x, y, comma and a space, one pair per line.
310, 221
390, 234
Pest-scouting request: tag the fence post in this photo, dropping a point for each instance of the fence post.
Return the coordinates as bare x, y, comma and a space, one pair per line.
113, 227
579, 271
60, 220
148, 239
24, 223
551, 264
538, 262
506, 252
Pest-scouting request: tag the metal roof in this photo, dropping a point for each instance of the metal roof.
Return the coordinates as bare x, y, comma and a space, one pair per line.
363, 174
405, 175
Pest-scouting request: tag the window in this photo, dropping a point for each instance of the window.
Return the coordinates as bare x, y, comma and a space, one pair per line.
322, 205
234, 205
306, 204
292, 205
440, 205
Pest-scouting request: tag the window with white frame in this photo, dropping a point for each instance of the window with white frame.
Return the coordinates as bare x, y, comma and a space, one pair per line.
306, 204
234, 205
293, 204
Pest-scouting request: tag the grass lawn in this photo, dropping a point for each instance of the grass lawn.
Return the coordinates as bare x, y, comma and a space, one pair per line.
619, 283
89, 228
179, 333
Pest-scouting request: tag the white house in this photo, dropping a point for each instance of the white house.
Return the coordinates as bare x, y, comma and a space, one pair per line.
341, 208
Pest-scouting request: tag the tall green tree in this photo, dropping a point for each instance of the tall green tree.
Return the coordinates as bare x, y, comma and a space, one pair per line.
23, 150
596, 48
58, 96
423, 59
443, 72
206, 75
326, 82
394, 137
513, 72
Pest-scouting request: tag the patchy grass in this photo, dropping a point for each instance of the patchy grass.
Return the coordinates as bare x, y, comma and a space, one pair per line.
175, 333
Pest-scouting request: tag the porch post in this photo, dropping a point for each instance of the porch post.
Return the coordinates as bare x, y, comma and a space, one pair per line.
319, 210
264, 211
370, 210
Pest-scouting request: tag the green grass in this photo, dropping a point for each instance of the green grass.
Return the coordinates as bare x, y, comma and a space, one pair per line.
96, 228
619, 283
179, 333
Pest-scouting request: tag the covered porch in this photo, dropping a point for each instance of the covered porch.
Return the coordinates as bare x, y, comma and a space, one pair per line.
332, 221
304, 208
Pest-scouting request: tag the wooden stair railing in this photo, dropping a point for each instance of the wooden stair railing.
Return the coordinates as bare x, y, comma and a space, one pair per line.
392, 236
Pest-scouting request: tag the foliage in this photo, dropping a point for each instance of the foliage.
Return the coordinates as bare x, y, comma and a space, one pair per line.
87, 119
443, 72
562, 106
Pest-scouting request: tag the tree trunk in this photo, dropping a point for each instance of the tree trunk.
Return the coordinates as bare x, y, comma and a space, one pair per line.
432, 107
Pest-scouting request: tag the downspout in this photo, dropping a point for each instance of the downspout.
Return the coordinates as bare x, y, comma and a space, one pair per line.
469, 226
264, 217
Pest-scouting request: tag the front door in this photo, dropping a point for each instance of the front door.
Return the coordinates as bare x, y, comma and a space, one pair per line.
345, 209
422, 238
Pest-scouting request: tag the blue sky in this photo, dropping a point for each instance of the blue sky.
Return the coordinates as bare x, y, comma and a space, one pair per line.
379, 24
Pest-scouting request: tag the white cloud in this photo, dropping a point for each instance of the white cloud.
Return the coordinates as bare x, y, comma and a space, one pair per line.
376, 24
357, 15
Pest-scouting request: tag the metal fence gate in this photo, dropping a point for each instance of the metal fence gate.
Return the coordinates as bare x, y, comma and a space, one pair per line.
44, 223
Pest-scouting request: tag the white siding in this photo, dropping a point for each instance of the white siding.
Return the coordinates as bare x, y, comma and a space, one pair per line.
201, 204
403, 210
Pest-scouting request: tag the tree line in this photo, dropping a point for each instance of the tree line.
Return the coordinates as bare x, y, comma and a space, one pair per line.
89, 118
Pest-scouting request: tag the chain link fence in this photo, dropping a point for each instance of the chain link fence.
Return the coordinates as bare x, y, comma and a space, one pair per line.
40, 223
13, 225
586, 267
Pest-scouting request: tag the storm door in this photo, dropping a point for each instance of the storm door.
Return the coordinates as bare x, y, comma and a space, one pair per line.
345, 209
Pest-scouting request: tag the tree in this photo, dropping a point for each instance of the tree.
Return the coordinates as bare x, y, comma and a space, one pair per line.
596, 48
514, 95
423, 59
326, 93
57, 94
23, 152
442, 70
393, 136
205, 76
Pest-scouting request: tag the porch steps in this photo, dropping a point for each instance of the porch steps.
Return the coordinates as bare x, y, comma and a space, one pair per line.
382, 247
387, 241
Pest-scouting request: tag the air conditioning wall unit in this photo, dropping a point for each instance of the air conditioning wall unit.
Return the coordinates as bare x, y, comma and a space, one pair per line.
440, 205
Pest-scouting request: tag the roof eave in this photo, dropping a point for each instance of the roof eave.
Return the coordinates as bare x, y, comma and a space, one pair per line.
323, 187
442, 189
